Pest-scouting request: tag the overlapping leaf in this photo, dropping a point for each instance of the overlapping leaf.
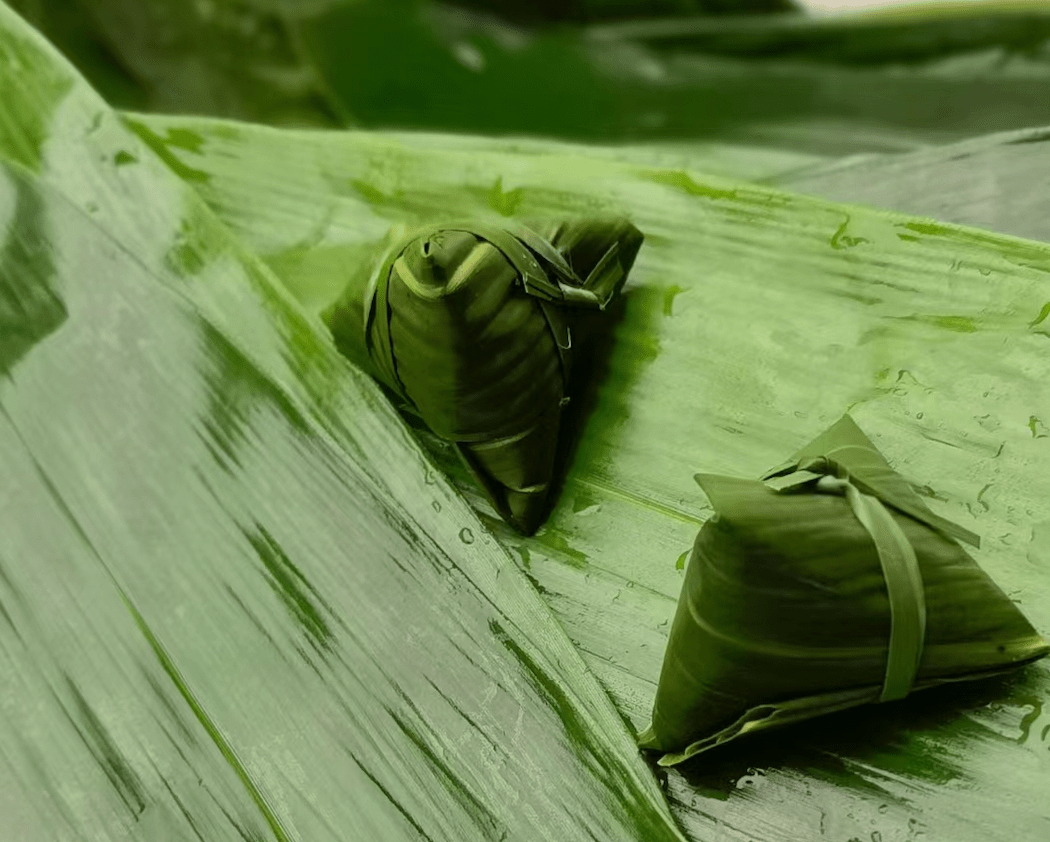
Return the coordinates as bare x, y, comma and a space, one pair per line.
459, 72
897, 33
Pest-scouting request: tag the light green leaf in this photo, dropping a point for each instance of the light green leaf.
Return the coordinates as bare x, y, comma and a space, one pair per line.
236, 601
773, 333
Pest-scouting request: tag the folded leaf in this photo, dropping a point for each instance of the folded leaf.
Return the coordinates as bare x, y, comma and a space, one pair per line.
844, 444
790, 603
476, 328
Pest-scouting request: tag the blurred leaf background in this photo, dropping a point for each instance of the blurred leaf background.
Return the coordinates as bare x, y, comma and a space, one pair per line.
613, 72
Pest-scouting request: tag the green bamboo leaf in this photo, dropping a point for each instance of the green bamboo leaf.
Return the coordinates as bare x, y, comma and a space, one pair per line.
596, 10
773, 331
237, 60
236, 601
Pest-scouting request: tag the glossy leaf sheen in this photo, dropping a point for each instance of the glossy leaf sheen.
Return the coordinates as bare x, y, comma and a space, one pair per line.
752, 321
235, 599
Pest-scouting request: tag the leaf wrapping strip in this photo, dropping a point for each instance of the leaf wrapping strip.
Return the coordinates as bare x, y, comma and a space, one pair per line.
899, 567
903, 583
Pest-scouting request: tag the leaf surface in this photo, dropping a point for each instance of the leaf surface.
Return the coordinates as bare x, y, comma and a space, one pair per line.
988, 182
236, 601
753, 319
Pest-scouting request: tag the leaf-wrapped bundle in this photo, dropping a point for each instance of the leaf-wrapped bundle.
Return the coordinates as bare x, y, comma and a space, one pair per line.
826, 586
472, 327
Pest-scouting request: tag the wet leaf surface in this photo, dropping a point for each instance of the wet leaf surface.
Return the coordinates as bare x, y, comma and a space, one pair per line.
229, 607
784, 312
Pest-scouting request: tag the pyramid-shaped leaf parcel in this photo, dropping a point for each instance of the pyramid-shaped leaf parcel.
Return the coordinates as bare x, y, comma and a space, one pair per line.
786, 614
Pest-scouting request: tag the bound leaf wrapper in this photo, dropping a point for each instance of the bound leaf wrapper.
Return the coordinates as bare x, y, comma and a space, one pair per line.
826, 585
472, 327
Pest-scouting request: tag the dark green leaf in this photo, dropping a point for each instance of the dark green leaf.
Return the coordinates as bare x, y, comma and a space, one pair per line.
234, 58
456, 71
909, 33
595, 10
420, 64
798, 603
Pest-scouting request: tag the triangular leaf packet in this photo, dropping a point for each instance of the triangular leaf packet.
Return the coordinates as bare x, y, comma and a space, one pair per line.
474, 327
785, 612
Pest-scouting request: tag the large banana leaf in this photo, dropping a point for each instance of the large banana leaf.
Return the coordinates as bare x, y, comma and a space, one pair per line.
753, 319
235, 599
